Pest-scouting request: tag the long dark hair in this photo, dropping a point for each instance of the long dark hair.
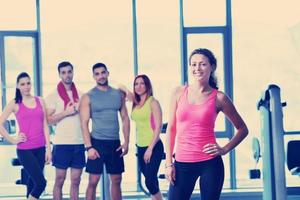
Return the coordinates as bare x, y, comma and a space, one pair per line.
18, 96
148, 86
213, 62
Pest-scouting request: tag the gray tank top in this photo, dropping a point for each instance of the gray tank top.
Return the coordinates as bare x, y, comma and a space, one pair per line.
105, 106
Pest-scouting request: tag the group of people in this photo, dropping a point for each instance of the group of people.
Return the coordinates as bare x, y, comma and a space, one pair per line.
192, 115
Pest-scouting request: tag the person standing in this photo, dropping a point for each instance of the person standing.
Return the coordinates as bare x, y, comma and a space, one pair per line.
147, 114
102, 105
68, 149
33, 140
193, 112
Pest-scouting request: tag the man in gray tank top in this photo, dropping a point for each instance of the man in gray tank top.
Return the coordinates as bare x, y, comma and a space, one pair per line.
102, 104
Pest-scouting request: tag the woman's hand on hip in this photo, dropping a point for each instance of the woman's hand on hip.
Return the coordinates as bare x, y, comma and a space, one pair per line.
213, 149
21, 137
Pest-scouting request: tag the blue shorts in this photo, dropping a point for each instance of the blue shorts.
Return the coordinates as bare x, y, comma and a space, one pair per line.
114, 164
69, 155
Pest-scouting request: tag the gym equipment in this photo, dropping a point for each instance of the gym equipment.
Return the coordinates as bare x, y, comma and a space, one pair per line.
272, 132
255, 173
293, 157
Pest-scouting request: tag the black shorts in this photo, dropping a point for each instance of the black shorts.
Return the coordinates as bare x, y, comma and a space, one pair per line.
114, 164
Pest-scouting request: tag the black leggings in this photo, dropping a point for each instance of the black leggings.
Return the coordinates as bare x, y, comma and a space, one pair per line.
150, 169
211, 174
33, 161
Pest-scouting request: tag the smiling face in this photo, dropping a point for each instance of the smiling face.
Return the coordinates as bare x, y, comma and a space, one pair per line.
201, 68
24, 85
66, 74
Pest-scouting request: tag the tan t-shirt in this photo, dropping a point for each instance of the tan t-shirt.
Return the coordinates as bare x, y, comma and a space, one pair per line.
68, 130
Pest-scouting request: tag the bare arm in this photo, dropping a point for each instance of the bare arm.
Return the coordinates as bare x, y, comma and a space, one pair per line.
46, 128
157, 115
84, 111
171, 135
84, 108
48, 156
171, 129
231, 113
10, 108
125, 121
225, 105
125, 127
128, 93
55, 118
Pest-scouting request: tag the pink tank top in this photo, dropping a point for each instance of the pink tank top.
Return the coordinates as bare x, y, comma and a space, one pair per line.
31, 123
195, 128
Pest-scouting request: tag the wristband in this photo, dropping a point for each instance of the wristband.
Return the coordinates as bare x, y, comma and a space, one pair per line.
88, 148
169, 165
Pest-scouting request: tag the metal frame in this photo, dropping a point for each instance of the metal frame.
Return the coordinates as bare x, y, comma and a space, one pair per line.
226, 31
35, 34
4, 34
2, 71
38, 64
272, 134
134, 35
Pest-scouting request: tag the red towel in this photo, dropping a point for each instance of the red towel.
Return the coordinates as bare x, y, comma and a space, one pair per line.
63, 93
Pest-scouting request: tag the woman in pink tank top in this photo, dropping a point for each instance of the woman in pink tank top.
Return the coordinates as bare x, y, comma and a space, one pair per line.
193, 112
33, 140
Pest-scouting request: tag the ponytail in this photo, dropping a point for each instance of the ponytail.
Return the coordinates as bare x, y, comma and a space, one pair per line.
18, 96
213, 82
